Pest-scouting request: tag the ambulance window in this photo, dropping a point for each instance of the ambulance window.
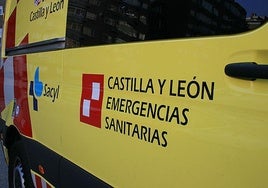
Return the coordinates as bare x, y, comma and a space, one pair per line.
97, 22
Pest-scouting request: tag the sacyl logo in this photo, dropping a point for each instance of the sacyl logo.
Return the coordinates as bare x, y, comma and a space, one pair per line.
39, 89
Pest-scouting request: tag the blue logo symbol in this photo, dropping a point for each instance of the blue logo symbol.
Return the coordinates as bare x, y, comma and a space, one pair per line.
36, 89
40, 89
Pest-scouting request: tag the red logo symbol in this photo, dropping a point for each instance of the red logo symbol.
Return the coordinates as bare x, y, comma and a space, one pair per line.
91, 99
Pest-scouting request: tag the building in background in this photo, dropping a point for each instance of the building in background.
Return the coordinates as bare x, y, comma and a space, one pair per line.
255, 21
114, 21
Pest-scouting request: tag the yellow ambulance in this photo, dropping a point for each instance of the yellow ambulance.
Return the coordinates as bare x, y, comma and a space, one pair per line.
135, 93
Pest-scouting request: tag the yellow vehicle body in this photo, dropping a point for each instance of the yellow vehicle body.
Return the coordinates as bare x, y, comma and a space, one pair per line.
169, 116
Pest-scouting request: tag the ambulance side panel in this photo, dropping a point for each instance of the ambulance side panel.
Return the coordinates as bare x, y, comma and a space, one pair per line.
169, 114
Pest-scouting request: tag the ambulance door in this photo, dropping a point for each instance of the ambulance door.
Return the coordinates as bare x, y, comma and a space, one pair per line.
184, 112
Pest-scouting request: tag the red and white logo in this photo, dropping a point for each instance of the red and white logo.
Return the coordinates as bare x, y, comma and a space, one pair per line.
91, 99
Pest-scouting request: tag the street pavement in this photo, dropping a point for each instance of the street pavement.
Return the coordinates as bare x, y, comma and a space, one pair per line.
3, 170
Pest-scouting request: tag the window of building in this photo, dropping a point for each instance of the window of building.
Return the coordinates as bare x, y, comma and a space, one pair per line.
99, 22
91, 16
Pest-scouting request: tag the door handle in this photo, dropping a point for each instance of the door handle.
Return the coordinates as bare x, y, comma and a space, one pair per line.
247, 70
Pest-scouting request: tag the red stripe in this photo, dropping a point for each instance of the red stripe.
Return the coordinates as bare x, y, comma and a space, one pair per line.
11, 29
22, 119
38, 182
25, 40
48, 186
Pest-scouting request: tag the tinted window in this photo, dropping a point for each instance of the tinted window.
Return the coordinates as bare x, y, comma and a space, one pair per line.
95, 22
